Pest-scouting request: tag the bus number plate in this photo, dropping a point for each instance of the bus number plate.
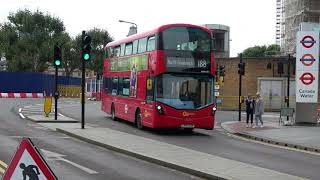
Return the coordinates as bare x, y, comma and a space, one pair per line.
187, 126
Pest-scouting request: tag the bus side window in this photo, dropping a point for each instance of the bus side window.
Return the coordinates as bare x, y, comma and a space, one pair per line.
116, 51
114, 87
125, 86
128, 49
120, 85
142, 46
108, 86
122, 49
135, 47
151, 44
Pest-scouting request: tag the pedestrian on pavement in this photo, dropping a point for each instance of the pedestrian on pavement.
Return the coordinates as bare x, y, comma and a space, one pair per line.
250, 103
259, 109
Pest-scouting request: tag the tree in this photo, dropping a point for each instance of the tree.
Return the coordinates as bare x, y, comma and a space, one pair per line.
261, 51
28, 38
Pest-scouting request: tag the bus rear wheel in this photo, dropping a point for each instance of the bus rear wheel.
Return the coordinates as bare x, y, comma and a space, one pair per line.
113, 113
138, 120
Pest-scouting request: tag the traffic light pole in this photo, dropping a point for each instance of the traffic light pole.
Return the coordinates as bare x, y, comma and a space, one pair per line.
55, 95
82, 88
240, 87
288, 86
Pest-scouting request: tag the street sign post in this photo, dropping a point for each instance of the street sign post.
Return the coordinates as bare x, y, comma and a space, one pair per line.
28, 162
307, 73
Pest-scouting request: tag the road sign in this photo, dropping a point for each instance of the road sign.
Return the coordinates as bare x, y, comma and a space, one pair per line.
307, 78
216, 87
307, 87
216, 93
27, 162
307, 41
307, 66
307, 59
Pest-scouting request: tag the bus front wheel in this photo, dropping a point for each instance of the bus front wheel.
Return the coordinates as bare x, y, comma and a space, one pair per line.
138, 120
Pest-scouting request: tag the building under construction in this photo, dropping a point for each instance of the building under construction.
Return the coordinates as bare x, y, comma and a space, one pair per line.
297, 15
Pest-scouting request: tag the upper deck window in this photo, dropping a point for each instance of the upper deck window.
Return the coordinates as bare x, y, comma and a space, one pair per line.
128, 49
151, 46
186, 38
142, 46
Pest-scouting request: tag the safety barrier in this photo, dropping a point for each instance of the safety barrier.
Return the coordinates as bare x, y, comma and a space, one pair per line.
69, 91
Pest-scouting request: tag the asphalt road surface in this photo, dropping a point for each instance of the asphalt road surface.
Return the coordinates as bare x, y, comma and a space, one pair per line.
214, 142
69, 158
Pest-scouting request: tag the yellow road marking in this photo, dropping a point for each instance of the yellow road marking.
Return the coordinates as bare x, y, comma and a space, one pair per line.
3, 166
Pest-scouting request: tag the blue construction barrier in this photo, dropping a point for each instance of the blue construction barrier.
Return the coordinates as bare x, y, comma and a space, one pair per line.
21, 82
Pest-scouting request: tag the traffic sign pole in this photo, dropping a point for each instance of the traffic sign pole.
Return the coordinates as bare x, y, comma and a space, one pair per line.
82, 88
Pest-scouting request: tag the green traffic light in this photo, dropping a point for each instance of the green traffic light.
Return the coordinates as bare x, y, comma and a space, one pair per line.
86, 56
57, 62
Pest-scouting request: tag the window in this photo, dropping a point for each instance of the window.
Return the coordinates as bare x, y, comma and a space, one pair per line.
120, 86
128, 49
135, 47
122, 49
151, 44
116, 51
142, 45
186, 38
125, 86
114, 86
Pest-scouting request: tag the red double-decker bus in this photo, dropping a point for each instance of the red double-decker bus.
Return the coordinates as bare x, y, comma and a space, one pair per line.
162, 78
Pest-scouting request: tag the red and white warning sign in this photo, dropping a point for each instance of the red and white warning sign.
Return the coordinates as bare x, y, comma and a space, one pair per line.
307, 66
27, 163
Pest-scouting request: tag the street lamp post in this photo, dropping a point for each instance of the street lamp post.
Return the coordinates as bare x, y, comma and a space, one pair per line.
133, 29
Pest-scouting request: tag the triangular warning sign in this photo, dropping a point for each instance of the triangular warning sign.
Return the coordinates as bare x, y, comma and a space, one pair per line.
27, 163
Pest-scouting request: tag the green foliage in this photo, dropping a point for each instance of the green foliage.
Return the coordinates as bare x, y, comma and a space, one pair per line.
27, 40
261, 51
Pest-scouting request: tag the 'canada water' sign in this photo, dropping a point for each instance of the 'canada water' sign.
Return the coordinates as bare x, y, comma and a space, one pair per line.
307, 67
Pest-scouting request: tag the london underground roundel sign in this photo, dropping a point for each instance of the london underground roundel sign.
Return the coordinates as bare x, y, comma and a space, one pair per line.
307, 78
307, 59
307, 41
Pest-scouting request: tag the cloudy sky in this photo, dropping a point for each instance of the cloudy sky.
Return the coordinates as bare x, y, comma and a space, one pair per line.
252, 22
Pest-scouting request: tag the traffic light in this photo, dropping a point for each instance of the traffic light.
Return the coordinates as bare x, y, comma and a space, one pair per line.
222, 70
242, 68
86, 48
57, 56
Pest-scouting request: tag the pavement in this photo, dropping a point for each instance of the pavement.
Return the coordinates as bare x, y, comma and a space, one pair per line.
183, 159
294, 136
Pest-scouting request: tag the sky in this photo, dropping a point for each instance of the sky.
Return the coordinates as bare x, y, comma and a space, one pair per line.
251, 22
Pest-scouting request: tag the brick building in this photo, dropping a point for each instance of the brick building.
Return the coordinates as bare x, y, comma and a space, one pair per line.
261, 74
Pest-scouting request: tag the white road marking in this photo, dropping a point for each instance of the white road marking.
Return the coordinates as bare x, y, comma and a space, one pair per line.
20, 110
22, 116
56, 156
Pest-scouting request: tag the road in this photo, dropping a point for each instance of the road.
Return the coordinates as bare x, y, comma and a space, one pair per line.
214, 142
70, 158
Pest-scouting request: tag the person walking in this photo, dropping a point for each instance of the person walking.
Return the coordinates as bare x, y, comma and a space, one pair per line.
259, 110
250, 103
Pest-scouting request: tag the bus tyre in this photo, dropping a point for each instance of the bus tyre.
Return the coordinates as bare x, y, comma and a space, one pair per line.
138, 120
113, 113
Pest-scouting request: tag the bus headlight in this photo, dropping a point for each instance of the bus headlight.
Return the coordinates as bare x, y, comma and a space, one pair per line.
159, 109
214, 109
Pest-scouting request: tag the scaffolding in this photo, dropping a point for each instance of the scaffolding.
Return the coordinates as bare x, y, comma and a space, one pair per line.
296, 12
